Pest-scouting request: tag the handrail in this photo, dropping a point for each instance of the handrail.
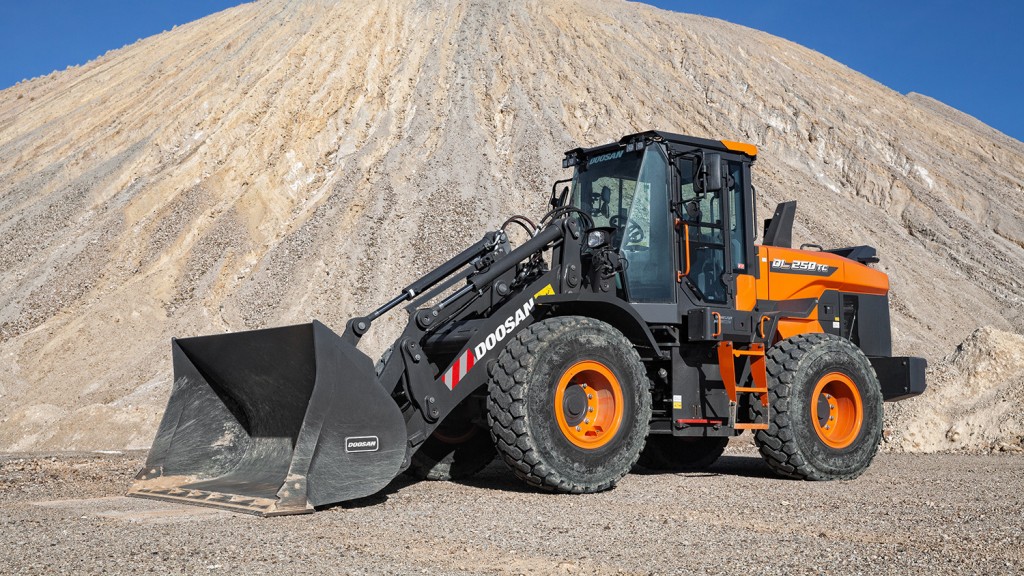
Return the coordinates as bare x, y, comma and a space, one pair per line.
686, 236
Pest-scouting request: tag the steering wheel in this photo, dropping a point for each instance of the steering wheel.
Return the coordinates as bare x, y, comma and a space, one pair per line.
634, 234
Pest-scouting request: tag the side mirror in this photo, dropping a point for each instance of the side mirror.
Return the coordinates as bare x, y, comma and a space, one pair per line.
557, 201
710, 177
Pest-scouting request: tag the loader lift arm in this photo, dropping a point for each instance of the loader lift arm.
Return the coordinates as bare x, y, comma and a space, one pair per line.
414, 373
483, 252
282, 420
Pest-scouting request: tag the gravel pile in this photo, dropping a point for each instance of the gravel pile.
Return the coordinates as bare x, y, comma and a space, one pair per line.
972, 403
288, 160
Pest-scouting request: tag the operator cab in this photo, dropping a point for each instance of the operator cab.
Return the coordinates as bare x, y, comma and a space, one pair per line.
680, 211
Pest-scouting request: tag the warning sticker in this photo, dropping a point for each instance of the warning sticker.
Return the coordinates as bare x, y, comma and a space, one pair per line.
545, 291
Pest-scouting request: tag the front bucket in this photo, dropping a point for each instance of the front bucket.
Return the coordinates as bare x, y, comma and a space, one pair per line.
273, 422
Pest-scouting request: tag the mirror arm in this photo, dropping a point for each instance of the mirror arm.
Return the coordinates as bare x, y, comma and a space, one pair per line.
561, 200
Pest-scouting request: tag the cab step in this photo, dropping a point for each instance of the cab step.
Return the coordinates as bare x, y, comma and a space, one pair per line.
754, 358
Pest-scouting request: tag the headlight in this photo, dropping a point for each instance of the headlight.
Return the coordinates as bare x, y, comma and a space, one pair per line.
597, 238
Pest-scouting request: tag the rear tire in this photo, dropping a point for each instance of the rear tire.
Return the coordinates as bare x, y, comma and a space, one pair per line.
826, 409
569, 405
680, 454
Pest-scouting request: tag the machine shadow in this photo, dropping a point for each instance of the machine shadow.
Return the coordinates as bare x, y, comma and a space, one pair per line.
399, 483
496, 476
739, 465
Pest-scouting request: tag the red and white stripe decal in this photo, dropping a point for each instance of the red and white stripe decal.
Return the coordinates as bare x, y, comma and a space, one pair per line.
459, 370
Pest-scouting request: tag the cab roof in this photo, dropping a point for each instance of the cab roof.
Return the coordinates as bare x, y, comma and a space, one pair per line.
631, 141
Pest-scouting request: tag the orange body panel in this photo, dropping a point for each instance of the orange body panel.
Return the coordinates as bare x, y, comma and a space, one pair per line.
789, 274
746, 292
787, 328
748, 149
848, 276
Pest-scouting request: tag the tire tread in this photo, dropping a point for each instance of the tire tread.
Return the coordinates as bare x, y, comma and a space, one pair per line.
779, 444
507, 415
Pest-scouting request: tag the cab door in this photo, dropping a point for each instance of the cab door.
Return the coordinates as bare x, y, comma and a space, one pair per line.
717, 268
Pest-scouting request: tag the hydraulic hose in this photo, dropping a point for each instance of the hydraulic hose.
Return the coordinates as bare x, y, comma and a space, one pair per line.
549, 234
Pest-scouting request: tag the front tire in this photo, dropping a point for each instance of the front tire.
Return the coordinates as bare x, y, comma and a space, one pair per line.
569, 405
826, 409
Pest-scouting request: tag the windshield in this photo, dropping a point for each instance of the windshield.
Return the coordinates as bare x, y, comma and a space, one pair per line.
628, 191
607, 188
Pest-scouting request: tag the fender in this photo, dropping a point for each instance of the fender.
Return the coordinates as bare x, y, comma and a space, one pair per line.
607, 309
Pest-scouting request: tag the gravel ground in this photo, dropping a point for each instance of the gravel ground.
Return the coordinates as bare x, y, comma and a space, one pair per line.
909, 514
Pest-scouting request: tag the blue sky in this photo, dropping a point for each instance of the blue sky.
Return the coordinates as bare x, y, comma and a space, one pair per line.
966, 54
40, 36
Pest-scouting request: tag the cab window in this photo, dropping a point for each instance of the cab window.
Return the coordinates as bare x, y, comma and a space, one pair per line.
707, 236
628, 191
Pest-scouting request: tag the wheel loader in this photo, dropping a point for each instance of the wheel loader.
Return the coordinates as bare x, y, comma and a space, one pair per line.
639, 322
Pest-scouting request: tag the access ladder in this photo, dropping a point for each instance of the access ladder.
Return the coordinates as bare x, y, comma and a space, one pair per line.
727, 355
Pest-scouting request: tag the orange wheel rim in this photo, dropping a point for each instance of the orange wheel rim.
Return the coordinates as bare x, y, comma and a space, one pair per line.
588, 404
837, 410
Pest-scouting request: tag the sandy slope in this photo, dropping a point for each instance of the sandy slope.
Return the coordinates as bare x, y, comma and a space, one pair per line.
281, 161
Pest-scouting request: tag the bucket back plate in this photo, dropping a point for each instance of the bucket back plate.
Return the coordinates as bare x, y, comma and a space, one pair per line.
271, 422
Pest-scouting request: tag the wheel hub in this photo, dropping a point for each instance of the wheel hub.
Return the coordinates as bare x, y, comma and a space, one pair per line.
574, 404
823, 410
